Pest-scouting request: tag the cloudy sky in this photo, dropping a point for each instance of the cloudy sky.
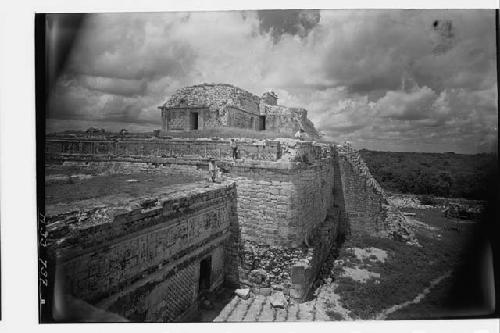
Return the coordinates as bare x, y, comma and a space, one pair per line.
398, 80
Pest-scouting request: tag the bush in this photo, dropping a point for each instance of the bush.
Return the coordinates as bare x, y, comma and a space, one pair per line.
428, 200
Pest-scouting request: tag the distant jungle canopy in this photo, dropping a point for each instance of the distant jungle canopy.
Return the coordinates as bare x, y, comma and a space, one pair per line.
439, 174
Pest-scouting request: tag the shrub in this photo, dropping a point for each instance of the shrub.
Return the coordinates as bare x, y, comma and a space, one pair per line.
428, 200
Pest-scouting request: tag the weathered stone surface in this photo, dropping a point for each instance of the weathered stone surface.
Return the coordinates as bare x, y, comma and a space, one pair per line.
216, 105
273, 228
367, 208
278, 300
242, 293
144, 264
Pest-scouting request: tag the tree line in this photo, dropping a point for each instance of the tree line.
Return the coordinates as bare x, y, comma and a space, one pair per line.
438, 174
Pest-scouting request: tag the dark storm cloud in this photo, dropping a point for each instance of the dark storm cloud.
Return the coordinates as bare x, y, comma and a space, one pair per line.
291, 21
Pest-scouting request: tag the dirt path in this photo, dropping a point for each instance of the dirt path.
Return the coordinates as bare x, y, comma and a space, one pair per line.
383, 315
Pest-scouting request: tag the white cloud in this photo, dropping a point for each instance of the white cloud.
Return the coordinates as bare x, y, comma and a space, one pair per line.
346, 69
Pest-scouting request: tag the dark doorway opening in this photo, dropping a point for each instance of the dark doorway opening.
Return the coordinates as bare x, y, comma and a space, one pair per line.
262, 123
194, 120
205, 272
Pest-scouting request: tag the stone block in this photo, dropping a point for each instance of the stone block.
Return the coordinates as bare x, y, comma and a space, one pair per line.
278, 300
298, 274
243, 293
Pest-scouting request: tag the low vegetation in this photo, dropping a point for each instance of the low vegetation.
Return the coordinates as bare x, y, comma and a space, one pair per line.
407, 271
445, 175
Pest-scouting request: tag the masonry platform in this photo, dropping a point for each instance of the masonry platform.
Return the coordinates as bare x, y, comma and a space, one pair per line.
150, 253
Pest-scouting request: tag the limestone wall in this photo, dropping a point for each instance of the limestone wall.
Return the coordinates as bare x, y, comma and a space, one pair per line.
228, 105
363, 197
141, 259
284, 187
70, 148
284, 119
241, 118
365, 204
280, 206
216, 97
180, 118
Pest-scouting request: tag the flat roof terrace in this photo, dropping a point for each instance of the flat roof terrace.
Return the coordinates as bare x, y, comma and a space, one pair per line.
63, 188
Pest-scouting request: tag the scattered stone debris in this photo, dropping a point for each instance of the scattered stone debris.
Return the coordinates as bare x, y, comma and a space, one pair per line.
397, 228
407, 201
267, 266
360, 275
370, 253
66, 179
328, 302
242, 293
278, 287
418, 224
463, 211
278, 300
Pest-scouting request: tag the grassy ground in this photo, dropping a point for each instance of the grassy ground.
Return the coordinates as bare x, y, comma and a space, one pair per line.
407, 271
99, 186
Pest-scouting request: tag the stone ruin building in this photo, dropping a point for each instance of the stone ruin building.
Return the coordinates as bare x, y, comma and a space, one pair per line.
223, 105
152, 257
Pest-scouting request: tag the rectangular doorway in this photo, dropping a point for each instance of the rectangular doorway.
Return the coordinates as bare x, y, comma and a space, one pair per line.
194, 121
205, 272
262, 123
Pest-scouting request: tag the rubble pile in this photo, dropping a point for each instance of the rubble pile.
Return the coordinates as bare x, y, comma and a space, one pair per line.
463, 211
397, 227
407, 201
266, 266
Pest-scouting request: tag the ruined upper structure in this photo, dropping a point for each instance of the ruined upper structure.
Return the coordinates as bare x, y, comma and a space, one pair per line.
224, 105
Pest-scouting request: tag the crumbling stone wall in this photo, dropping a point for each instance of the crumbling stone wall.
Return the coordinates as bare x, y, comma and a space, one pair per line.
217, 105
219, 99
365, 204
141, 259
284, 119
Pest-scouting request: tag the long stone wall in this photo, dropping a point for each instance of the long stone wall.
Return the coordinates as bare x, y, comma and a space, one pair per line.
285, 187
105, 149
141, 259
365, 205
363, 197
